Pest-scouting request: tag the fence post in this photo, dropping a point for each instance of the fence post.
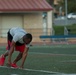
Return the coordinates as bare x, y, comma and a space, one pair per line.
53, 33
66, 33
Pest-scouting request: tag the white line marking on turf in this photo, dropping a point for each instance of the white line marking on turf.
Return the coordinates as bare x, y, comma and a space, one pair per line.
14, 74
51, 53
31, 70
40, 71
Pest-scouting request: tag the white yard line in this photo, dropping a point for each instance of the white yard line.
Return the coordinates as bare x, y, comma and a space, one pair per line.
52, 54
40, 71
44, 71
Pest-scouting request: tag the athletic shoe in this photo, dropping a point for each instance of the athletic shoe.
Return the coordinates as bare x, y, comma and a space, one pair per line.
14, 65
2, 60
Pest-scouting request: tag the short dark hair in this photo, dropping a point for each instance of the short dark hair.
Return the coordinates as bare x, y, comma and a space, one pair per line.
28, 35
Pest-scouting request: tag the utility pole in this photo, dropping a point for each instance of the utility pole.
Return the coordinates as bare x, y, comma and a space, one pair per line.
65, 29
66, 10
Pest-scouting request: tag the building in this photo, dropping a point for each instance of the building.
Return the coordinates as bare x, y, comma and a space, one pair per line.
25, 14
56, 2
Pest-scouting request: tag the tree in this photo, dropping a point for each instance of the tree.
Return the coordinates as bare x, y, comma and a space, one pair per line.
71, 4
51, 2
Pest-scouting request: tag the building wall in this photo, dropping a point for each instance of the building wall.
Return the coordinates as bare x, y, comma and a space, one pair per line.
33, 23
49, 22
10, 21
0, 25
33, 20
56, 2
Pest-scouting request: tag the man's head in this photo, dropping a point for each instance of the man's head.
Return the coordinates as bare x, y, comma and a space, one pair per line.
27, 38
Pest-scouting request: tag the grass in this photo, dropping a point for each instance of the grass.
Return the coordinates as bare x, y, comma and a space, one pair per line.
72, 29
59, 58
59, 30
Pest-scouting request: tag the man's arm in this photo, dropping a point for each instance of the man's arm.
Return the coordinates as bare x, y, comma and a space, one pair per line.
24, 57
10, 53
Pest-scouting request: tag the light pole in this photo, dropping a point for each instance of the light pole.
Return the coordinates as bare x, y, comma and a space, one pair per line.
60, 11
66, 10
65, 29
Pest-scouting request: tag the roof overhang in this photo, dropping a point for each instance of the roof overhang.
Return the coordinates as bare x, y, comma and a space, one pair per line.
24, 5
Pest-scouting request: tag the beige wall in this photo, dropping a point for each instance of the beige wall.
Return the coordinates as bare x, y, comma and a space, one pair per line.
0, 25
56, 2
33, 20
33, 23
49, 21
10, 21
